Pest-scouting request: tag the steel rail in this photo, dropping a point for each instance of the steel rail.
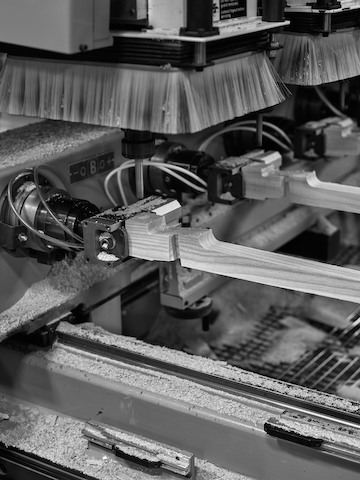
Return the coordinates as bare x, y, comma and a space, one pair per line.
252, 392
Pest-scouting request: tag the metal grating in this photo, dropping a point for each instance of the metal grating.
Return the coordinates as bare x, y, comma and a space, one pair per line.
324, 368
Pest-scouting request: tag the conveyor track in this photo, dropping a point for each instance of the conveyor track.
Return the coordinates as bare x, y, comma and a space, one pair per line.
254, 393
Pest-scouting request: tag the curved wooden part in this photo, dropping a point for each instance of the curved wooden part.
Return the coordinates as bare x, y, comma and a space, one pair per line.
202, 251
262, 181
306, 189
151, 239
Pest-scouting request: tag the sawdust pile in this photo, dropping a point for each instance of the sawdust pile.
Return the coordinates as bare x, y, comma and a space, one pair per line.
293, 342
73, 276
65, 280
59, 440
202, 364
36, 143
349, 390
238, 306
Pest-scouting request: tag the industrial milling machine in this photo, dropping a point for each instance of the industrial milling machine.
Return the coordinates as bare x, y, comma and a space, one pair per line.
178, 299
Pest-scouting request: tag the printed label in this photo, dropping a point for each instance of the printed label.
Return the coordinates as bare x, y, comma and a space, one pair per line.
228, 9
91, 166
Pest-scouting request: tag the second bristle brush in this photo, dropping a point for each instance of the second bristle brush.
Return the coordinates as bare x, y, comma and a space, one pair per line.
321, 44
309, 60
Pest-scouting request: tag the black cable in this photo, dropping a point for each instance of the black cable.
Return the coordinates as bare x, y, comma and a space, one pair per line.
43, 236
50, 211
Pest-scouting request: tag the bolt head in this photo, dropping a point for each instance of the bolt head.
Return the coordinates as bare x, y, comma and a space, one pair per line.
22, 237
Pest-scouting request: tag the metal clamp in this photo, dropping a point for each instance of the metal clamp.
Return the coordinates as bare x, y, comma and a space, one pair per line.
139, 450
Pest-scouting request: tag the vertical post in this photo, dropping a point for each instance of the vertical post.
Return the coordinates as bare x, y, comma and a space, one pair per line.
273, 10
259, 130
138, 146
139, 178
199, 19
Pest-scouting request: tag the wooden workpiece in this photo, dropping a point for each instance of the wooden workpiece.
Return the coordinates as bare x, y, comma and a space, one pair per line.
306, 189
150, 238
262, 180
265, 180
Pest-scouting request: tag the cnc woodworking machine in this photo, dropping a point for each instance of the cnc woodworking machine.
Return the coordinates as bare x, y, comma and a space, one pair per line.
179, 248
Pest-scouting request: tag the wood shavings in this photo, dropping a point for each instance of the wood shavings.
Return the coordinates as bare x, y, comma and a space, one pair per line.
290, 344
107, 257
354, 351
32, 431
143, 447
330, 311
38, 142
145, 205
208, 366
197, 346
66, 279
318, 428
232, 324
94, 461
348, 390
184, 392
74, 276
39, 298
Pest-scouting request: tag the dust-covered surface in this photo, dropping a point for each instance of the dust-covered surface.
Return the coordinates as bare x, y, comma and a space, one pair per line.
206, 365
238, 307
65, 281
38, 142
59, 440
293, 341
118, 214
350, 390
262, 329
340, 435
153, 384
137, 445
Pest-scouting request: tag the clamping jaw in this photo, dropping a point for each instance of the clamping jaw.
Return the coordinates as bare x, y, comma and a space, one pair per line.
258, 176
152, 232
328, 137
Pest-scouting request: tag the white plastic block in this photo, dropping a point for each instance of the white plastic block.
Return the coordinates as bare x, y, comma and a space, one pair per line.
65, 26
171, 14
165, 14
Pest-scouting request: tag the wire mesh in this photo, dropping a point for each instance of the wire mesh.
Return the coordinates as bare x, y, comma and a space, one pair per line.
334, 362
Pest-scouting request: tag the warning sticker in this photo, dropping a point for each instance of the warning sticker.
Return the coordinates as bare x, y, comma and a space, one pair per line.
228, 9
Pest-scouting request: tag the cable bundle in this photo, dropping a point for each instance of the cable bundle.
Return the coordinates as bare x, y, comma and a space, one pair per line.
56, 216
173, 170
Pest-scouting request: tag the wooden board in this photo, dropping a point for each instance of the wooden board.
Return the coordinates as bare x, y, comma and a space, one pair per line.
262, 181
151, 239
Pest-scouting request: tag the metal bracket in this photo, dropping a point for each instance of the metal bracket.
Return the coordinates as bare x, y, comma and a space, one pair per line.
105, 241
140, 451
329, 437
11, 237
225, 184
105, 237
